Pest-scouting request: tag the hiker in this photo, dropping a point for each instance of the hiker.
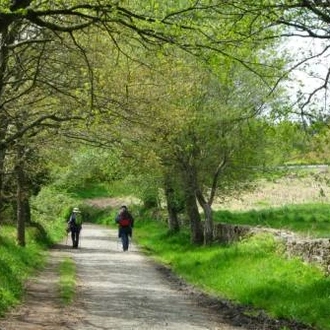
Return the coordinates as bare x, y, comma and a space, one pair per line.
125, 222
74, 226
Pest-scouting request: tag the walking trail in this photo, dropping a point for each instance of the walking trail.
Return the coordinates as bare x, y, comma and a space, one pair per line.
116, 290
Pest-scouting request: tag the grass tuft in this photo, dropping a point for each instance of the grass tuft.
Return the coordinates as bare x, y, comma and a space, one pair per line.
67, 281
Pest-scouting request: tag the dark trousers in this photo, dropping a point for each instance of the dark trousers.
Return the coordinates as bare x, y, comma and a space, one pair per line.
75, 233
125, 233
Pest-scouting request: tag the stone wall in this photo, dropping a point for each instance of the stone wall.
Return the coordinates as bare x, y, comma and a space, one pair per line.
312, 251
226, 234
315, 251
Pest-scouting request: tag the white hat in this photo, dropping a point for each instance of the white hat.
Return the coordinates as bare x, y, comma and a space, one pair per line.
76, 210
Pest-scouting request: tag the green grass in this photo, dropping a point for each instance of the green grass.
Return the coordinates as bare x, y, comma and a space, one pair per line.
17, 264
252, 272
67, 281
307, 219
95, 190
116, 188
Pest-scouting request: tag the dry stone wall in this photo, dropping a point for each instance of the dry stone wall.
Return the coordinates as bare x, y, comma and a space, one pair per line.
315, 251
312, 251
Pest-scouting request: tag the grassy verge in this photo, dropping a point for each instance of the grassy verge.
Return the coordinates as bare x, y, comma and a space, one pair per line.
17, 264
67, 281
253, 272
307, 219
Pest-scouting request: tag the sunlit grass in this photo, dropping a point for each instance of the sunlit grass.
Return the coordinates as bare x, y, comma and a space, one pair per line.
67, 280
307, 219
16, 265
252, 272
93, 190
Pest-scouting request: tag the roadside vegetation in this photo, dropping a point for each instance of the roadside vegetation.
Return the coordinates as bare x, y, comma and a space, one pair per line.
253, 272
50, 211
312, 220
182, 103
17, 264
67, 282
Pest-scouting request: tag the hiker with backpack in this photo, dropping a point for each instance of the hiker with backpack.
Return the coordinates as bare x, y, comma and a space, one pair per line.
74, 226
125, 222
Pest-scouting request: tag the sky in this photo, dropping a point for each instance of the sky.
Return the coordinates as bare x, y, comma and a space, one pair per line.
308, 77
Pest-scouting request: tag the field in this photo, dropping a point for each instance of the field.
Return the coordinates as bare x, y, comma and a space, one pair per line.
307, 186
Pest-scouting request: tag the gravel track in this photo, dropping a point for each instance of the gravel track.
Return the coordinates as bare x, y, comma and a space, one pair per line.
116, 290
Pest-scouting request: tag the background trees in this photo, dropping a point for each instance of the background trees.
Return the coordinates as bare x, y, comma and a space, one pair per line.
183, 87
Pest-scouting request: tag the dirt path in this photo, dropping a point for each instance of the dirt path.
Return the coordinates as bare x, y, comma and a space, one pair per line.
41, 308
117, 290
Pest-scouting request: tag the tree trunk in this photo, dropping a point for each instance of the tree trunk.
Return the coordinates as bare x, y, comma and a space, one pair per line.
2, 158
20, 216
3, 133
197, 236
20, 197
206, 205
26, 210
195, 219
173, 222
6, 39
208, 224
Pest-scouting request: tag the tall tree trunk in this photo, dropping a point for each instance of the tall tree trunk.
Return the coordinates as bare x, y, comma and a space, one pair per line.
3, 117
194, 217
3, 132
2, 170
26, 209
20, 197
20, 217
208, 224
197, 236
207, 205
173, 222
6, 38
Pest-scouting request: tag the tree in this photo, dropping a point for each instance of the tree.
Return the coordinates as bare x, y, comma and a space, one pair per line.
200, 125
30, 84
39, 40
303, 25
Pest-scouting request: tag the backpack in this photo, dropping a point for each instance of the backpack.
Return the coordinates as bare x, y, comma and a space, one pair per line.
78, 219
124, 222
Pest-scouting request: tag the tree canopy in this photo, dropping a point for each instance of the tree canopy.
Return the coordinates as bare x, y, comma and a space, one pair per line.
187, 77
